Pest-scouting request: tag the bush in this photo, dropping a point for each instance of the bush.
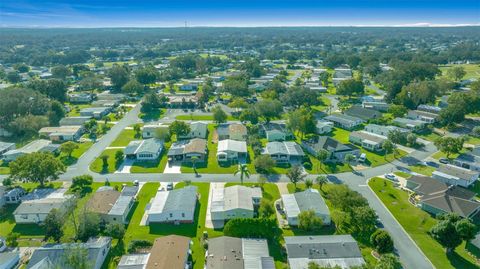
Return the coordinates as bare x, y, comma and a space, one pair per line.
308, 221
263, 164
115, 230
256, 228
136, 244
307, 165
82, 181
266, 209
382, 241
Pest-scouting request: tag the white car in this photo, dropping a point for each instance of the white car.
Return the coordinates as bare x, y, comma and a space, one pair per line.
392, 177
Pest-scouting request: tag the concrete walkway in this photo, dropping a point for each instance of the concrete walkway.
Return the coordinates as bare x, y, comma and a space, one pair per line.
208, 219
172, 169
282, 188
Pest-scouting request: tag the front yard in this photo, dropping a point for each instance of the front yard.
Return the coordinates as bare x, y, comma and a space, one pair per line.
417, 223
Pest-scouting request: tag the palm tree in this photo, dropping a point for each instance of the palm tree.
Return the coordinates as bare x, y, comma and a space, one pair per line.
388, 147
322, 156
308, 183
243, 170
321, 180
194, 163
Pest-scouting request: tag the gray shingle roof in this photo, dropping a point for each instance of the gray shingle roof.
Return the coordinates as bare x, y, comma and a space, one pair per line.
287, 147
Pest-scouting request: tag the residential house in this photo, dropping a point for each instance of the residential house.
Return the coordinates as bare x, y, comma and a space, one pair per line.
414, 125
455, 175
73, 121
167, 252
323, 250
429, 108
185, 150
9, 260
40, 145
337, 81
177, 206
424, 116
469, 160
310, 199
35, 206
53, 254
188, 87
367, 140
106, 103
149, 130
5, 133
112, 206
4, 147
337, 151
438, 197
13, 196
234, 131
197, 130
475, 242
95, 112
234, 202
62, 133
232, 150
144, 150
275, 132
182, 101
379, 106
238, 253
363, 113
344, 121
112, 96
284, 152
80, 98
383, 130
342, 73
324, 127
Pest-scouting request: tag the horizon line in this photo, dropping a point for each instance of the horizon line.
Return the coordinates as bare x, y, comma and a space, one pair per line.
410, 25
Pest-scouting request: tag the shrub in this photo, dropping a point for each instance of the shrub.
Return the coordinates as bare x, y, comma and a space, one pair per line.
257, 228
136, 244
382, 241
307, 165
115, 230
308, 221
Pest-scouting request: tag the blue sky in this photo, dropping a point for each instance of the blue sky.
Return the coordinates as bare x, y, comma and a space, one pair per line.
140, 13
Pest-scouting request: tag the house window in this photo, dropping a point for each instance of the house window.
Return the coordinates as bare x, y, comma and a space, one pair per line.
183, 215
171, 215
115, 219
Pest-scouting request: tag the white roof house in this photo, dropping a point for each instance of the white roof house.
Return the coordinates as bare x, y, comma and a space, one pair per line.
34, 209
283, 152
198, 129
309, 199
229, 149
149, 130
324, 250
148, 149
455, 175
34, 146
234, 202
173, 206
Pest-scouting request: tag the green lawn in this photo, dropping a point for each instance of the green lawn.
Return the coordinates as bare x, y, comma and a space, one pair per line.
4, 169
97, 165
472, 70
340, 135
152, 116
124, 138
69, 160
476, 188
440, 154
402, 174
422, 169
417, 223
376, 159
324, 104
75, 109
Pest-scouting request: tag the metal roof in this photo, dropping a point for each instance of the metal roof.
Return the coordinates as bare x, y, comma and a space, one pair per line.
286, 147
232, 145
309, 199
234, 197
175, 200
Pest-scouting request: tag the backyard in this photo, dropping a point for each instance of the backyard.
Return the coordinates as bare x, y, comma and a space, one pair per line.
417, 223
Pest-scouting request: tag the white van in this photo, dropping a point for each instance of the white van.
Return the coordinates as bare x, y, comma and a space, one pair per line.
362, 158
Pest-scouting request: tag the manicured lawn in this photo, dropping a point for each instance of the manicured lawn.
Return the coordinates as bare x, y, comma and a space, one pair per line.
376, 159
340, 135
212, 166
473, 140
152, 116
417, 223
440, 154
324, 105
194, 230
97, 165
422, 169
82, 147
4, 169
430, 136
402, 174
75, 109
472, 70
476, 188
124, 138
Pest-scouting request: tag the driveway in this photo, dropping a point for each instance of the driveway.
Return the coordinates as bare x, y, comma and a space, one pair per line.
173, 168
208, 220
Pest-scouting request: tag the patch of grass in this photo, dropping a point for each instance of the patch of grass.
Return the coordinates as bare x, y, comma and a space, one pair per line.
77, 153
438, 155
152, 116
422, 169
4, 169
476, 189
417, 223
376, 159
124, 138
340, 135
402, 174
97, 165
472, 70
430, 136
75, 109
473, 140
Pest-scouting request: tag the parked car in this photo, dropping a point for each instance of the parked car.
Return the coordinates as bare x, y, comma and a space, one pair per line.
392, 177
444, 161
135, 183
170, 186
